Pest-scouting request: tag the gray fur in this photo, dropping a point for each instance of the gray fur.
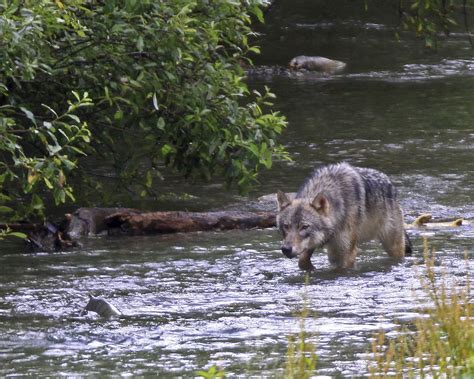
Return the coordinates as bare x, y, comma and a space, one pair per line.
100, 306
322, 64
338, 207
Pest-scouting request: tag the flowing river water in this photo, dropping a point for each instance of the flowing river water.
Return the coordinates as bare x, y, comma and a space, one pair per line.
231, 298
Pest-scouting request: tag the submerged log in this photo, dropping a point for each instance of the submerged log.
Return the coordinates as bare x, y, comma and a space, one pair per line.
173, 222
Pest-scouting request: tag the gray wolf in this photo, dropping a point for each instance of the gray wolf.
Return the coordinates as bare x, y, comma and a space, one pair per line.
338, 207
322, 64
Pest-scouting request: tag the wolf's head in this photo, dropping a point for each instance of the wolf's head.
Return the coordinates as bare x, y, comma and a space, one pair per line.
304, 223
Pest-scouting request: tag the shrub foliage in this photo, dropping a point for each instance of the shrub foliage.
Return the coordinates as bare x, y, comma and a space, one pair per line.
137, 84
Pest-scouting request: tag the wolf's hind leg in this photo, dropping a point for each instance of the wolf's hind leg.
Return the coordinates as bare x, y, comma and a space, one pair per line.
408, 245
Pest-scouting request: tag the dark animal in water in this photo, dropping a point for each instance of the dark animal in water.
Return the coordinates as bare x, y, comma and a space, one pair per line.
321, 64
102, 307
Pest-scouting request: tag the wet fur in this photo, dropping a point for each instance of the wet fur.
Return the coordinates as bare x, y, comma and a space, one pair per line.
338, 207
316, 63
100, 306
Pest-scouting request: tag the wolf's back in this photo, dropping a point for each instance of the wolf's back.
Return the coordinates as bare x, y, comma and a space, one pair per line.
353, 191
378, 188
332, 180
344, 187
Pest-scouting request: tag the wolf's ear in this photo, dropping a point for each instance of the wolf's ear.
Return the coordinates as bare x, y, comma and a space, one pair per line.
283, 200
321, 204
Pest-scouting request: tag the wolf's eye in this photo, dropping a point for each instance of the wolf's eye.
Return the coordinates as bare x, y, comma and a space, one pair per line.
304, 227
286, 226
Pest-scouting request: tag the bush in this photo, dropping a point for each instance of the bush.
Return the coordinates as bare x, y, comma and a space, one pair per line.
137, 84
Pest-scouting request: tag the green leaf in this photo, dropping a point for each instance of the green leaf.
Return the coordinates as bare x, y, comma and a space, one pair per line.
140, 44
254, 49
118, 115
77, 96
258, 13
50, 109
155, 102
36, 202
166, 150
77, 150
74, 118
29, 114
161, 123
149, 179
48, 183
5, 209
17, 235
61, 196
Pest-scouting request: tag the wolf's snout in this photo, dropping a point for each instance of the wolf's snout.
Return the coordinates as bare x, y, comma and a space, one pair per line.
288, 251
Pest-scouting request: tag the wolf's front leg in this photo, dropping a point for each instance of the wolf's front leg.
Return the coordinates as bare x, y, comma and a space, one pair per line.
342, 252
394, 243
304, 261
393, 236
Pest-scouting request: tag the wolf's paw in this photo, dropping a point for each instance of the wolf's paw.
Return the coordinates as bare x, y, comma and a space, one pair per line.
304, 263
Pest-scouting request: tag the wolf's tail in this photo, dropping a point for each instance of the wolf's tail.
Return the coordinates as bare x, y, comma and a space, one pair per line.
408, 246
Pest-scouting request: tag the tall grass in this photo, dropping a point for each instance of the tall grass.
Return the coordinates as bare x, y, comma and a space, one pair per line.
440, 343
301, 357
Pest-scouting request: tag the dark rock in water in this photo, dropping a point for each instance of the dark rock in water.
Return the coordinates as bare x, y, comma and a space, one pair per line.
267, 71
49, 237
82, 222
320, 64
272, 71
300, 68
85, 221
100, 306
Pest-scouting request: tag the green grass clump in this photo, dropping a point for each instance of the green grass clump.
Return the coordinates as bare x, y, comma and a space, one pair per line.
212, 373
440, 343
301, 357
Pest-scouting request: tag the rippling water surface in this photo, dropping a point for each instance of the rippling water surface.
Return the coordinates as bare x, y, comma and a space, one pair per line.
191, 300
231, 298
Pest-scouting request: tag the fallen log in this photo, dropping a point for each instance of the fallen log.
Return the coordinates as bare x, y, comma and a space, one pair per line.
133, 223
127, 221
